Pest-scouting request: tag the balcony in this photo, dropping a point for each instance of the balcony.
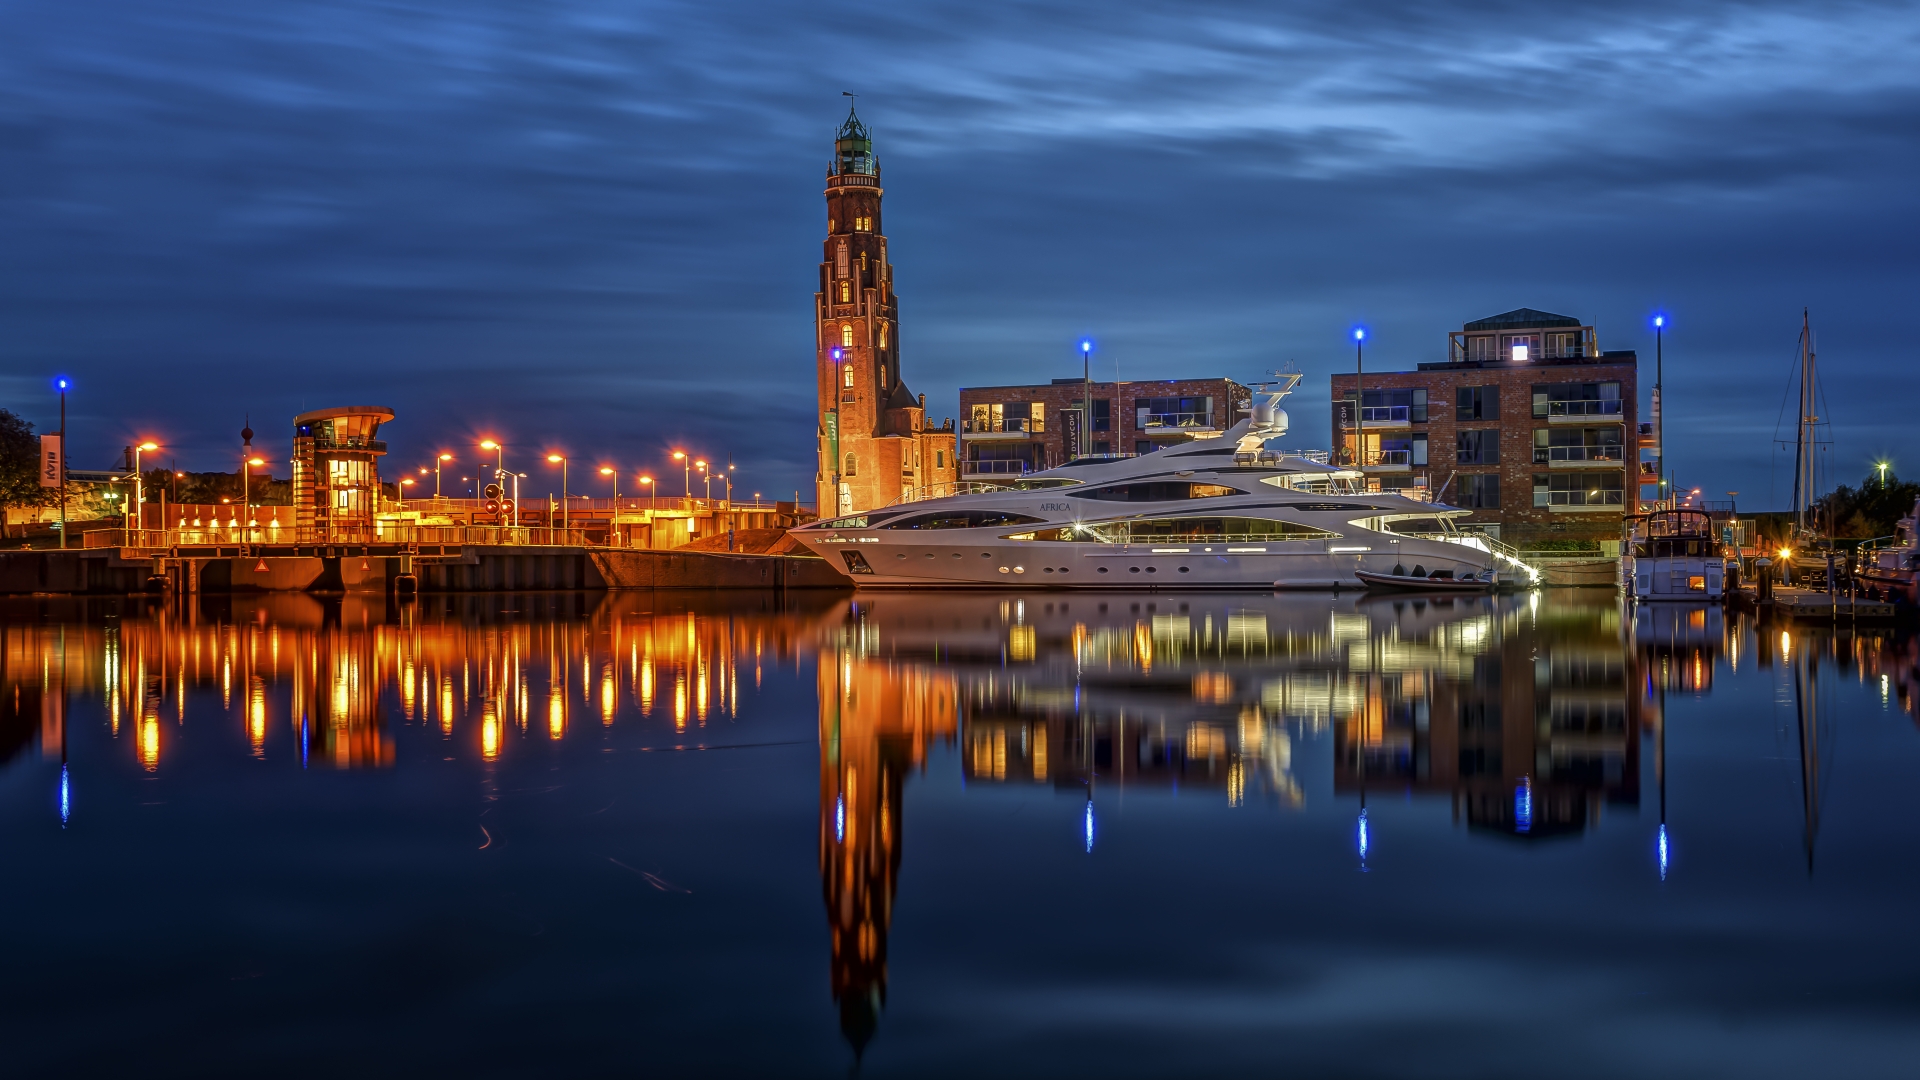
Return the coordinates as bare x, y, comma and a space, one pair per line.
1387, 460
1012, 427
1176, 420
1564, 456
1560, 501
1387, 416
995, 468
350, 442
1562, 411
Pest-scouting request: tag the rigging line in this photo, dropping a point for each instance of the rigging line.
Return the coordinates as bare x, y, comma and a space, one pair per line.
1792, 377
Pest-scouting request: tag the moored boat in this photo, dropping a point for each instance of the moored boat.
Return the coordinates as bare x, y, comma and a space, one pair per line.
1226, 512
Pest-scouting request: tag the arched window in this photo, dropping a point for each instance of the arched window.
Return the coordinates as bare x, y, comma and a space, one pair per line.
883, 335
840, 260
850, 470
846, 335
846, 292
848, 378
883, 374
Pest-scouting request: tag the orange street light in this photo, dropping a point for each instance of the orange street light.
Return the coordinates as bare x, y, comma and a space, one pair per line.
566, 513
436, 472
139, 485
606, 471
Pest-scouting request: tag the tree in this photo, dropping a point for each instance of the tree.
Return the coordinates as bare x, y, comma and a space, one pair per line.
19, 467
1869, 510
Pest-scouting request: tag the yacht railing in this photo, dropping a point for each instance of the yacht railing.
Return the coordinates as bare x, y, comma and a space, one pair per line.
1501, 552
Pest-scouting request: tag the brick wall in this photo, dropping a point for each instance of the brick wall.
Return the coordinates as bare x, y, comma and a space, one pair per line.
1520, 520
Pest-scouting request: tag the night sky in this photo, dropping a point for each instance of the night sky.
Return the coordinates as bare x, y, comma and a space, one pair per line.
594, 227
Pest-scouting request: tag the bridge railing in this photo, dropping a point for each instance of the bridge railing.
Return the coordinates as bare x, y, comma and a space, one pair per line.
413, 536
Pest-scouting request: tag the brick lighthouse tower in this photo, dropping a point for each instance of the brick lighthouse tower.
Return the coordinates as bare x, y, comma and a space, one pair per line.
875, 446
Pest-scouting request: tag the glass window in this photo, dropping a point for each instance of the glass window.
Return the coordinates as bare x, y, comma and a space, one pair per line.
1476, 403
1173, 412
1477, 447
846, 335
846, 292
1576, 399
1592, 487
883, 335
1387, 406
1576, 444
1480, 491
1157, 491
1180, 530
850, 470
939, 459
1102, 416
961, 519
840, 260
846, 375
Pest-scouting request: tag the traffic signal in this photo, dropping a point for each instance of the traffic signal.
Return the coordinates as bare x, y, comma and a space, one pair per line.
506, 509
493, 507
493, 491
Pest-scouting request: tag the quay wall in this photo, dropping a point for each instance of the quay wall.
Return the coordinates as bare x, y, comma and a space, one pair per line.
474, 569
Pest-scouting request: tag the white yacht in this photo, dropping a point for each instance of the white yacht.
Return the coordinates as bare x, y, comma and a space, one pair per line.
1673, 555
1210, 514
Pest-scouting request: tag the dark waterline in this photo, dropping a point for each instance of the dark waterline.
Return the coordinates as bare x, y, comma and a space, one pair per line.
1026, 834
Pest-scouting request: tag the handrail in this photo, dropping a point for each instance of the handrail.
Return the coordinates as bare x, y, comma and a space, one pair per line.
396, 535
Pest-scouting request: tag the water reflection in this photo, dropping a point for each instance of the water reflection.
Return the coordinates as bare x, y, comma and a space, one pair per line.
323, 681
1528, 721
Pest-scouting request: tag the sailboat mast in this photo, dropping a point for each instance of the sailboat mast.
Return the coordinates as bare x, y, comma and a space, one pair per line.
1800, 435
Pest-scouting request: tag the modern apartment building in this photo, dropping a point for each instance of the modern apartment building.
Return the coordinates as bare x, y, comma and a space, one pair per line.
1527, 423
1007, 431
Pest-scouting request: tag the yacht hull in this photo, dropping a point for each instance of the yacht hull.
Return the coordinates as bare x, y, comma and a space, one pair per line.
888, 563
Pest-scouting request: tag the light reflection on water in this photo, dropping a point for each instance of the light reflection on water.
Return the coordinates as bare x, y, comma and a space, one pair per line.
1518, 720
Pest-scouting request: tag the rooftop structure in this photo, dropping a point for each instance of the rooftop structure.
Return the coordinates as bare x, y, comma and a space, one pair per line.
336, 475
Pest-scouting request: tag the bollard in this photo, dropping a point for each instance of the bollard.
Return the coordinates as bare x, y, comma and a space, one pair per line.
1763, 578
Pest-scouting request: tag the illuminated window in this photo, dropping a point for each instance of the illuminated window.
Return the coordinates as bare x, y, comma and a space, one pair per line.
846, 292
840, 260
883, 374
850, 470
848, 376
846, 334
883, 335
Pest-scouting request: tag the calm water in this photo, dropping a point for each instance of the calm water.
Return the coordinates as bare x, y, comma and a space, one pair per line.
1025, 834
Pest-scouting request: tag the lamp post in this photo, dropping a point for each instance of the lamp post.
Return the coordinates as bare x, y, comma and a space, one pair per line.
60, 384
646, 484
246, 488
615, 473
706, 478
140, 485
1881, 465
728, 476
834, 440
1359, 396
566, 512
686, 476
436, 472
1086, 380
1659, 397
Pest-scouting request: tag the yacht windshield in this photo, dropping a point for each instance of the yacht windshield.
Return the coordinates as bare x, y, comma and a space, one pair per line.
1157, 491
961, 519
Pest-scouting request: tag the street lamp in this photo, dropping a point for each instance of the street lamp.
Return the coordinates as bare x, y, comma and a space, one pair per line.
1359, 396
566, 512
705, 478
1882, 466
646, 482
686, 475
246, 486
62, 385
1659, 397
436, 472
615, 473
139, 484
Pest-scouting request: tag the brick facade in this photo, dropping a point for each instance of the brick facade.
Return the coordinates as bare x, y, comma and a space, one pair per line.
1557, 434
1009, 430
875, 446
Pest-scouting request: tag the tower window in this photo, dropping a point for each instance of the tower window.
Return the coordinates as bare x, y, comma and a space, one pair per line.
840, 260
883, 374
850, 470
849, 377
883, 335
846, 292
846, 335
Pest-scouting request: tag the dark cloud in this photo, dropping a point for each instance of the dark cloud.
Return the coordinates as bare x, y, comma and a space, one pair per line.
595, 225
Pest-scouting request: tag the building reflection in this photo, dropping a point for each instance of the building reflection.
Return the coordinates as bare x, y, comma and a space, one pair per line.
325, 682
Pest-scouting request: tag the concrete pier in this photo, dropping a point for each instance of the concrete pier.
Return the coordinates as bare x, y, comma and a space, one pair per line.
371, 569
